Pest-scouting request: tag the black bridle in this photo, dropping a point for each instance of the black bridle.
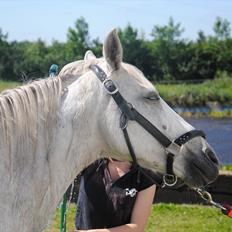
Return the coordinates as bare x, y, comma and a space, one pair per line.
128, 112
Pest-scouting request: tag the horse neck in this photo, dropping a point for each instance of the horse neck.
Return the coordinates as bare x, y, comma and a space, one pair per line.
64, 142
78, 141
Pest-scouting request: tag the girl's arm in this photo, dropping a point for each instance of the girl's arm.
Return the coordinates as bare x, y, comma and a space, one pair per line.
140, 214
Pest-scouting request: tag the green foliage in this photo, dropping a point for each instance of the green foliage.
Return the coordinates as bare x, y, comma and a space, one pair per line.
169, 33
135, 47
169, 218
186, 95
5, 56
219, 90
78, 39
222, 28
7, 85
167, 56
167, 48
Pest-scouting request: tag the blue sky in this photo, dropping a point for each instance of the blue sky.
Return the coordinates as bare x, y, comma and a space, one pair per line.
50, 19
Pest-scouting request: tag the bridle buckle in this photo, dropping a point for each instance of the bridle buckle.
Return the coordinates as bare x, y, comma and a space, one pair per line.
108, 84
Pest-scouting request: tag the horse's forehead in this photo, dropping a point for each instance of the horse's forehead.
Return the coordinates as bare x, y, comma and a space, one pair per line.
138, 76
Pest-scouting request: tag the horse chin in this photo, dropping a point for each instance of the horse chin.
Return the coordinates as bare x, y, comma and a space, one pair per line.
196, 180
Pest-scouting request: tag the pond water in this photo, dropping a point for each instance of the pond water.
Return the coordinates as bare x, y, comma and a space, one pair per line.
219, 135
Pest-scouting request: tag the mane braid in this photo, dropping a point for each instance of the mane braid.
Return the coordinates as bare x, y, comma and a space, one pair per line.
28, 118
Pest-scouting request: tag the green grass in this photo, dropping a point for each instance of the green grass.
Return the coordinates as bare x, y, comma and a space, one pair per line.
170, 218
210, 114
190, 218
55, 226
219, 90
8, 85
227, 167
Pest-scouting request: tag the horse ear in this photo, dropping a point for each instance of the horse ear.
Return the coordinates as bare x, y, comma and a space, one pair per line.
89, 55
112, 50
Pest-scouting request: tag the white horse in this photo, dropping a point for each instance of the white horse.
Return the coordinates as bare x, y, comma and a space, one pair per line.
51, 129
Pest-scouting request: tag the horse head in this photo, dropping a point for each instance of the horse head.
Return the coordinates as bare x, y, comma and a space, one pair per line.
194, 161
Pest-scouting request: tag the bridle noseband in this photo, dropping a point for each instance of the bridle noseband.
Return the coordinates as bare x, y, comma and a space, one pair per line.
128, 112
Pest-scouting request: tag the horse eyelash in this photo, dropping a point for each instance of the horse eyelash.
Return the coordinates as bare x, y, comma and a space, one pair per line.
153, 97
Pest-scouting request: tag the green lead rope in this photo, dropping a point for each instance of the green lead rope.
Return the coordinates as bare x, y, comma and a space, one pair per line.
63, 214
53, 71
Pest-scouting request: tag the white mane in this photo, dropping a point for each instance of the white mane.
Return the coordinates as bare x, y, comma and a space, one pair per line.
28, 119
26, 113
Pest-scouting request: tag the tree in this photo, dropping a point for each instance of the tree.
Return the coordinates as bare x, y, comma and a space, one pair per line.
130, 43
169, 33
201, 37
166, 46
56, 54
3, 37
33, 63
78, 39
96, 47
5, 57
135, 50
167, 56
222, 28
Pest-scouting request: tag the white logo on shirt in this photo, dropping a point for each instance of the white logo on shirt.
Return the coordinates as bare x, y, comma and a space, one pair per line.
131, 192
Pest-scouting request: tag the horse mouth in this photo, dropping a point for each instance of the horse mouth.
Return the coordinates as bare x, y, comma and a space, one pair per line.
200, 177
195, 175
203, 175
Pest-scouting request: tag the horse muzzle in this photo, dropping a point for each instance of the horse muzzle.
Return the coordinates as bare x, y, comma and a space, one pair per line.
196, 167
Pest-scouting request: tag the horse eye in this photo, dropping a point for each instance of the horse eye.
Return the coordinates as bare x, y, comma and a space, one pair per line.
155, 97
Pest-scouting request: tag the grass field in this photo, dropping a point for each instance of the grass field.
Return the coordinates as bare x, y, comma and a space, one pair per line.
170, 218
7, 85
219, 90
187, 95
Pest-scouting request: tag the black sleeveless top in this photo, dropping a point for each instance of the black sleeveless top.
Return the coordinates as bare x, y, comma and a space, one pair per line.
103, 203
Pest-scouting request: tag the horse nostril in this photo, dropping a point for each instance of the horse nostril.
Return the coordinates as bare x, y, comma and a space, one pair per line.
211, 155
